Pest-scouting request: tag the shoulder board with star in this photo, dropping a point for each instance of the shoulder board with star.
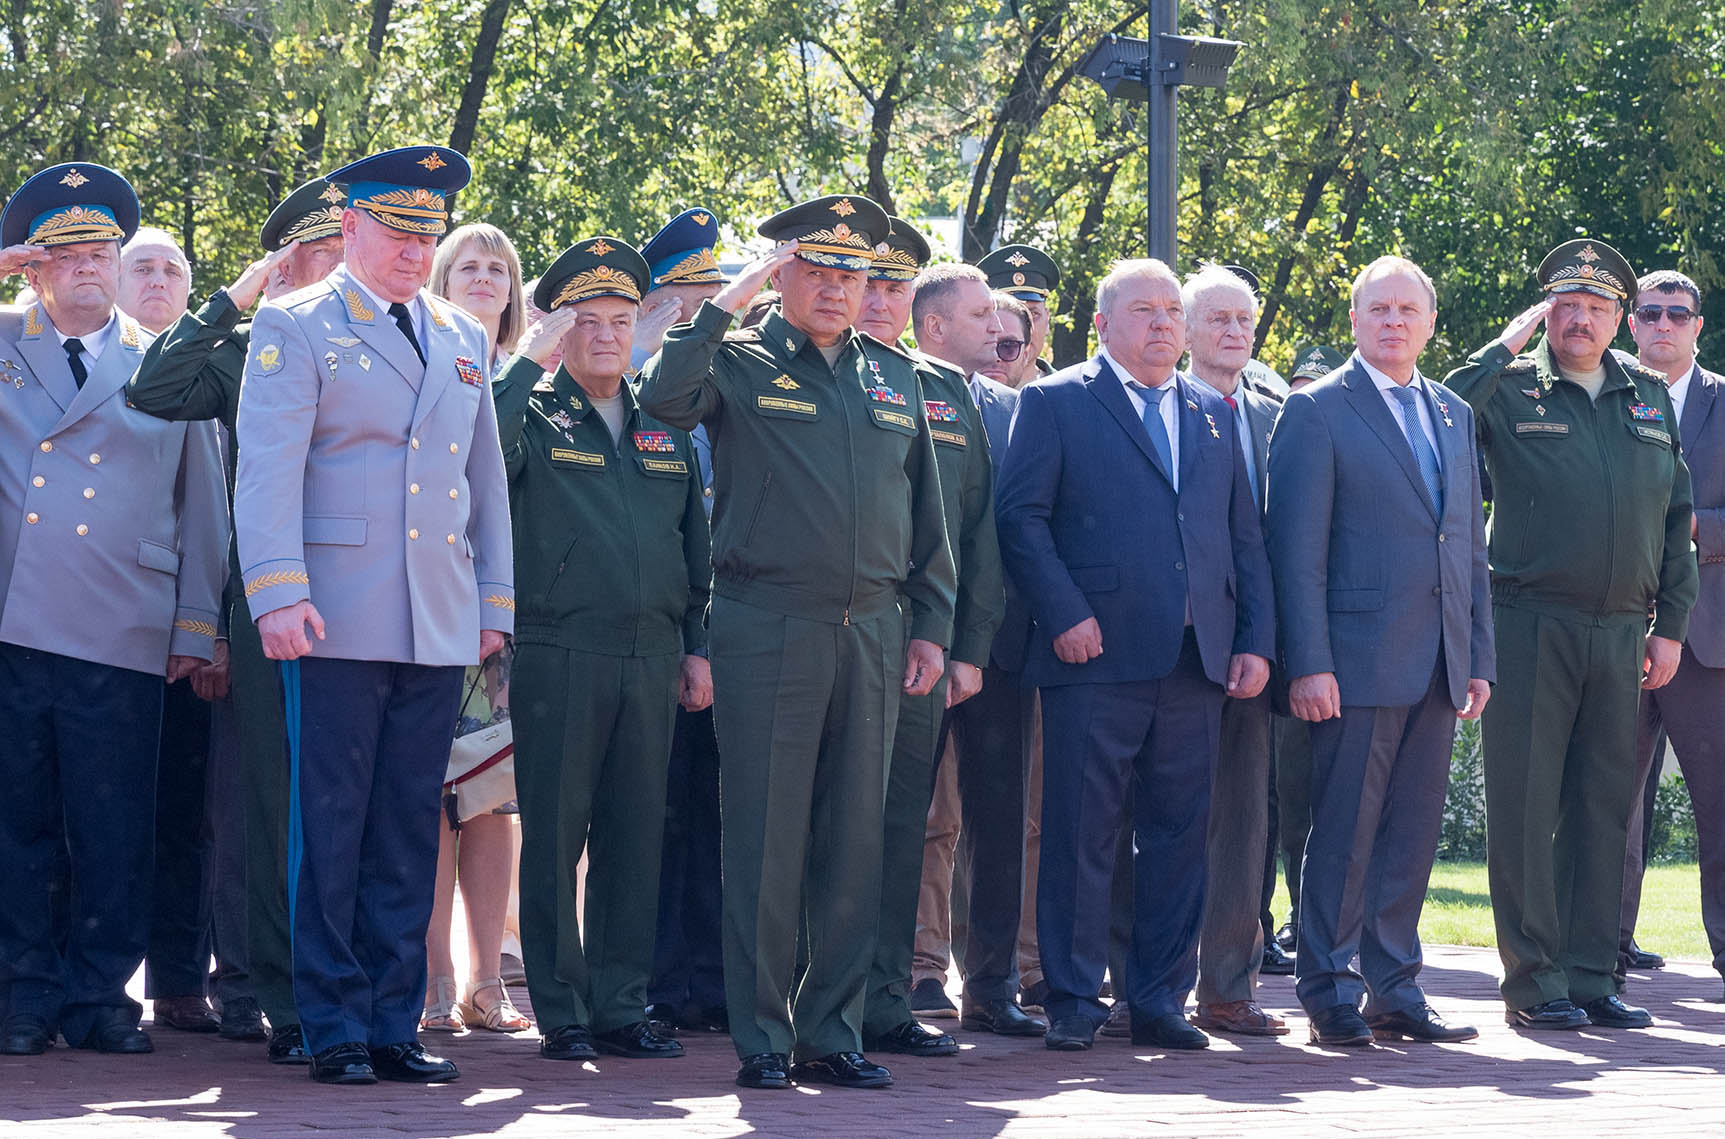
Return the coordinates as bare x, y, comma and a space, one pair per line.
871, 342
750, 335
1643, 372
311, 292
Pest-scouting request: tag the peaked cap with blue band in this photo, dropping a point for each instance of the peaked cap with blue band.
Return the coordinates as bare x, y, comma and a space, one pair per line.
1022, 270
592, 267
406, 188
71, 202
682, 252
839, 231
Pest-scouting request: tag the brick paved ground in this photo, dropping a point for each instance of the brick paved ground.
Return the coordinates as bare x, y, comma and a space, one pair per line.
1662, 1082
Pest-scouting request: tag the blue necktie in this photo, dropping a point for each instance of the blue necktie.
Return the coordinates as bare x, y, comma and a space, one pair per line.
1153, 424
1423, 453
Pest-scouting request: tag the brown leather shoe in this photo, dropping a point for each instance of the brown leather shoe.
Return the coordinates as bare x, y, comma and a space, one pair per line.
1243, 1017
188, 1014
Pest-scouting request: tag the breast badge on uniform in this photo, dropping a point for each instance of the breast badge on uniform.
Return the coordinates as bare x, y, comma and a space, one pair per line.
269, 359
469, 371
364, 362
880, 393
783, 381
11, 374
562, 420
940, 411
343, 341
1211, 420
659, 442
1646, 412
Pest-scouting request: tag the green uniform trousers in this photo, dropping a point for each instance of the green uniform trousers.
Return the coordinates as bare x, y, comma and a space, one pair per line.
1559, 738
909, 791
592, 744
262, 745
806, 712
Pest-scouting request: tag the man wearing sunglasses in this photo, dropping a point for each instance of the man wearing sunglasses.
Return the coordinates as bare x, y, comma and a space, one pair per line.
1590, 531
1666, 322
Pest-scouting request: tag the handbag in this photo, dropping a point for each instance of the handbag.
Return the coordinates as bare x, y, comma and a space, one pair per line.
481, 774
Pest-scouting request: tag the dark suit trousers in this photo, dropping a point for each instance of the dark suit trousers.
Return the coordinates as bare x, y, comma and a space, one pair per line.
1155, 740
1231, 943
368, 747
78, 761
993, 754
177, 960
1293, 802
1379, 776
1691, 709
688, 962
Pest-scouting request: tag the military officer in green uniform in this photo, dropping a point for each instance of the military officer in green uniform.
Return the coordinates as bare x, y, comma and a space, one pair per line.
192, 372
611, 541
1589, 536
1031, 275
956, 332
827, 509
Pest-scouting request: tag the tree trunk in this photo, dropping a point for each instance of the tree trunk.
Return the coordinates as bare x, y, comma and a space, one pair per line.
1072, 344
478, 74
880, 139
1322, 171
1019, 113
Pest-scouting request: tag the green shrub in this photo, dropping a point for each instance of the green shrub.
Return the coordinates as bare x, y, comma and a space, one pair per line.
1673, 823
1463, 834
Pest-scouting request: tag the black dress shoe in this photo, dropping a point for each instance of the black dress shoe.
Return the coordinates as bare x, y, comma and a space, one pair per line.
410, 1063
662, 1018
1640, 958
287, 1046
568, 1042
120, 1038
1288, 937
1419, 1023
637, 1041
842, 1070
1277, 962
928, 999
709, 1018
1611, 1012
25, 1034
1070, 1034
242, 1019
1170, 1031
1557, 1014
911, 1039
188, 1014
348, 1063
765, 1070
1340, 1026
1002, 1017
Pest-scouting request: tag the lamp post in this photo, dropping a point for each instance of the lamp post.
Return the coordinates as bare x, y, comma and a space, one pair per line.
1153, 70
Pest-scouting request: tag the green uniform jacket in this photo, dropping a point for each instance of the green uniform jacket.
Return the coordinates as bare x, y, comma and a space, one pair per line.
967, 495
1590, 500
611, 546
826, 500
191, 372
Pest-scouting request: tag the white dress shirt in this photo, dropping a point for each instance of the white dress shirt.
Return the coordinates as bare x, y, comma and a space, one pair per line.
1679, 392
1417, 385
1169, 407
93, 342
415, 309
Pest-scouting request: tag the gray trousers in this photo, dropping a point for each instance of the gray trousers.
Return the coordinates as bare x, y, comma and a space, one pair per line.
1690, 709
1379, 776
1231, 939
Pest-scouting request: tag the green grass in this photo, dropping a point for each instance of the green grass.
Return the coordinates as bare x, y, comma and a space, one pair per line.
1458, 910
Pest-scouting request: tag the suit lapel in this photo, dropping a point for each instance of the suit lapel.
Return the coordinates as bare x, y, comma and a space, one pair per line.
1702, 392
1193, 426
1261, 418
443, 343
377, 329
1451, 448
1369, 405
41, 350
121, 357
1106, 387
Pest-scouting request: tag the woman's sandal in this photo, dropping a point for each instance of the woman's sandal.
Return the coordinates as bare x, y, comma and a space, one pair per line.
441, 1011
500, 1015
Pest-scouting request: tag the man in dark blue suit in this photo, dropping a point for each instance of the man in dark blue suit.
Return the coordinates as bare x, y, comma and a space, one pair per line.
1125, 512
1382, 587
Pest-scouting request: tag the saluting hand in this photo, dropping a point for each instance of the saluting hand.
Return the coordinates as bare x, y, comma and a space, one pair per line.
1315, 697
1660, 664
244, 291
543, 340
283, 630
923, 664
1519, 331
742, 290
14, 257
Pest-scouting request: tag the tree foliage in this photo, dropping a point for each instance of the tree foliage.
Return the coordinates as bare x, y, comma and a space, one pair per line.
1470, 135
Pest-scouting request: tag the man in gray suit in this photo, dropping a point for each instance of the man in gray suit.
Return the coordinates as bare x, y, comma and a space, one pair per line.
1666, 322
371, 507
1377, 543
1221, 315
112, 532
